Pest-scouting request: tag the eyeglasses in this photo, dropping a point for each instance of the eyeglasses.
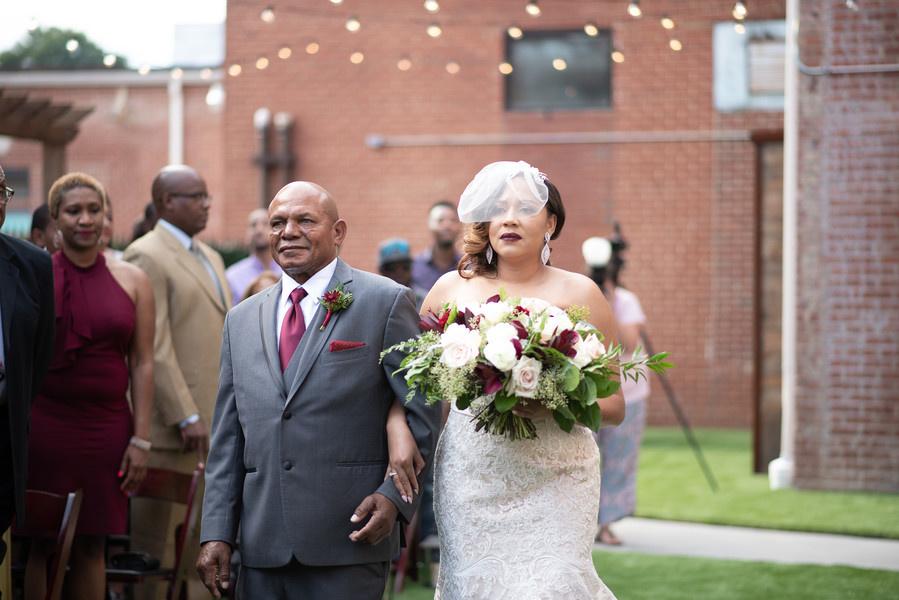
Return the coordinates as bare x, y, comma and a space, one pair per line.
196, 197
7, 194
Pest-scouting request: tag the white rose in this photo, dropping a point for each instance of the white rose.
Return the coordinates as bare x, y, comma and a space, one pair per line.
501, 332
526, 376
494, 312
583, 357
557, 321
534, 305
502, 354
460, 345
592, 347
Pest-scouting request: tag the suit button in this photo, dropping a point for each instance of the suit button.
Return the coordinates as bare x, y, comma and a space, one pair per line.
288, 465
287, 416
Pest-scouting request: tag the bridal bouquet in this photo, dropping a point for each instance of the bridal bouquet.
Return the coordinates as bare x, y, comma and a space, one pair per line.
505, 353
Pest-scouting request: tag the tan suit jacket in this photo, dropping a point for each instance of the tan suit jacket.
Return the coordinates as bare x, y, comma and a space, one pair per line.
190, 314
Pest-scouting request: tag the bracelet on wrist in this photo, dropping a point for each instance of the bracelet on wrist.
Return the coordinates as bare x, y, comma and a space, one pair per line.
140, 443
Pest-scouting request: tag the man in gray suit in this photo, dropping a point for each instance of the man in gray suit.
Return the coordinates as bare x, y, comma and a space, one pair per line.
299, 445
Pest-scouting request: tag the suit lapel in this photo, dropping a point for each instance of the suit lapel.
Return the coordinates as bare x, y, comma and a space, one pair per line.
268, 327
190, 264
314, 340
9, 277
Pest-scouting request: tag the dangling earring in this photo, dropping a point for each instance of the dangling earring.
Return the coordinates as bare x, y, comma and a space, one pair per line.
544, 255
489, 254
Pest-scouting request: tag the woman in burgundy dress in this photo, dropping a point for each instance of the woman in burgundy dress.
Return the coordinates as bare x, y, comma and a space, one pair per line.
84, 435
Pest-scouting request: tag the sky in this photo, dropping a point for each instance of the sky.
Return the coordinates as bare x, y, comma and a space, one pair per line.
140, 30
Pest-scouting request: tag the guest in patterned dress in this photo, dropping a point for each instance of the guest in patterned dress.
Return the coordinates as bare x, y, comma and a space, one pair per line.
619, 446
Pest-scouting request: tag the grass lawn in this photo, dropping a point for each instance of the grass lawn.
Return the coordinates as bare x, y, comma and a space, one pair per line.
641, 576
670, 485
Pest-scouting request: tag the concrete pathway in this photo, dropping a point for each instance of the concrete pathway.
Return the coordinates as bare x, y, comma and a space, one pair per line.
652, 536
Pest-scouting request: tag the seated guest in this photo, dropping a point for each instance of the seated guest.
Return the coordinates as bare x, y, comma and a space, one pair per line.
243, 272
395, 262
43, 229
146, 223
83, 433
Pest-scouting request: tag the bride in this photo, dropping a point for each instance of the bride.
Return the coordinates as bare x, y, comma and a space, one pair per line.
517, 518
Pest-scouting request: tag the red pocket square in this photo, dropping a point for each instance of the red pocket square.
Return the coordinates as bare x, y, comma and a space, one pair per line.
341, 345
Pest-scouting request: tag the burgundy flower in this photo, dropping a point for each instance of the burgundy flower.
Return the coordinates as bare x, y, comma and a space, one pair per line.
520, 329
490, 377
493, 298
565, 341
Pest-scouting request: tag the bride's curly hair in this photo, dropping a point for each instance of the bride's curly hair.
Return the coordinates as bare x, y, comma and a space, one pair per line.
477, 237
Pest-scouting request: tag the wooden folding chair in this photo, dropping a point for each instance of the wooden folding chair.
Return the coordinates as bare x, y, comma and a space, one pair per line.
181, 488
51, 516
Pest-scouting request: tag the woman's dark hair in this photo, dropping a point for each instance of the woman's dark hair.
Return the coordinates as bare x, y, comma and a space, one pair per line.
477, 238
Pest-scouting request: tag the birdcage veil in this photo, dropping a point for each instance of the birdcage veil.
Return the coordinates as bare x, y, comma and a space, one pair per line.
500, 187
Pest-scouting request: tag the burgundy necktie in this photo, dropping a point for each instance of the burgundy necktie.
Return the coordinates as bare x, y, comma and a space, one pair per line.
293, 328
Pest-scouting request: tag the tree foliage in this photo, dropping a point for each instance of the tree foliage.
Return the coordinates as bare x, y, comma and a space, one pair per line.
46, 50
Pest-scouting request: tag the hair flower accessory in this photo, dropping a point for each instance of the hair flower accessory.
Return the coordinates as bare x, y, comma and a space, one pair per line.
334, 301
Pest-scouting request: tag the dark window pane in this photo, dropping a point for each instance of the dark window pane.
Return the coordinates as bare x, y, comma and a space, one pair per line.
535, 84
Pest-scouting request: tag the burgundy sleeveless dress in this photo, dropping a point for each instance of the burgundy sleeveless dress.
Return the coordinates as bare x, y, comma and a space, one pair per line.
81, 421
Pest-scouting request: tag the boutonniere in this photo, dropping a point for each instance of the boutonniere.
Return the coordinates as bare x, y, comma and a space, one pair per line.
335, 300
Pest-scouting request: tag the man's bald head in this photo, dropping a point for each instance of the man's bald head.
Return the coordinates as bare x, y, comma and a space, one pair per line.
180, 197
168, 179
307, 230
309, 190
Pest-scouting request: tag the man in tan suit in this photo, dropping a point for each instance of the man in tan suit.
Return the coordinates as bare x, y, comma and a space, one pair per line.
192, 298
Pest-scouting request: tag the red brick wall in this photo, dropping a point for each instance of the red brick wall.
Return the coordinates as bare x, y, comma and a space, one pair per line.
124, 143
848, 304
687, 208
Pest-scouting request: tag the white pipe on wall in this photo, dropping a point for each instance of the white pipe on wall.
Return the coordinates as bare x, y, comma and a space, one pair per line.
781, 470
176, 118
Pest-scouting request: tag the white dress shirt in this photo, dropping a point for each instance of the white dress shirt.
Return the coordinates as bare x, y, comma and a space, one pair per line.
315, 287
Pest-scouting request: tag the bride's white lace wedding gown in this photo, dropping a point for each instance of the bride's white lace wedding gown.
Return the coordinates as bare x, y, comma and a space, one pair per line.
516, 519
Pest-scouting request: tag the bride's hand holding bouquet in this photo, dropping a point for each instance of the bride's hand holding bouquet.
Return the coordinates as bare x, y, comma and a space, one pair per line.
508, 360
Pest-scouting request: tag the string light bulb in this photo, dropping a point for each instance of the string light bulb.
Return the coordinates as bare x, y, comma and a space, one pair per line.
675, 44
267, 15
353, 25
356, 58
739, 12
739, 27
505, 68
852, 5
532, 9
591, 30
336, 2
312, 48
559, 64
72, 45
633, 9
434, 30
177, 73
404, 64
109, 60
33, 24
667, 22
234, 70
285, 53
515, 32
262, 63
144, 69
206, 74
432, 6
617, 56
453, 67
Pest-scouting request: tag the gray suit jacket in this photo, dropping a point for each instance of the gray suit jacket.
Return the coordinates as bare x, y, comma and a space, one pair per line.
292, 455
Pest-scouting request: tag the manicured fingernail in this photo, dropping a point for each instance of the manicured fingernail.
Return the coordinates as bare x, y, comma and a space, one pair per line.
354, 518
